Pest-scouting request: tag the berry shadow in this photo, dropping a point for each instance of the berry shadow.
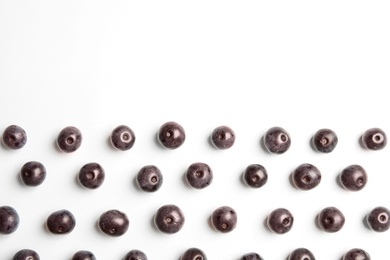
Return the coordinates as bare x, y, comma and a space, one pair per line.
153, 225
157, 142
311, 143
338, 181
210, 143
316, 221
365, 222
185, 182
361, 142
242, 181
109, 144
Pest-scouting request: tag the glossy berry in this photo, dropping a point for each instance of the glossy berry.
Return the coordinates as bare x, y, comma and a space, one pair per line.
9, 220
255, 176
379, 219
135, 254
251, 256
277, 140
171, 135
83, 255
193, 254
224, 219
353, 178
61, 222
324, 140
14, 137
122, 138
356, 254
331, 219
169, 219
69, 139
149, 178
33, 173
113, 223
199, 175
223, 137
374, 139
280, 221
301, 254
306, 176
26, 254
91, 175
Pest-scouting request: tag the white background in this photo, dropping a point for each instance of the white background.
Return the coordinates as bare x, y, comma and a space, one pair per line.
251, 65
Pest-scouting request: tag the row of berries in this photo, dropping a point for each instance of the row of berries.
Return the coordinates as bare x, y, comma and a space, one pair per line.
171, 135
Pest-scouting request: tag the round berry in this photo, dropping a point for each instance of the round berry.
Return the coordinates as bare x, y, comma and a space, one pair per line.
69, 139
113, 223
26, 254
223, 137
91, 175
149, 178
353, 178
171, 135
199, 175
306, 176
251, 256
374, 139
224, 219
9, 220
61, 222
280, 221
379, 219
325, 140
122, 138
255, 176
193, 254
331, 219
277, 140
135, 254
301, 254
14, 137
356, 254
169, 219
33, 173
83, 255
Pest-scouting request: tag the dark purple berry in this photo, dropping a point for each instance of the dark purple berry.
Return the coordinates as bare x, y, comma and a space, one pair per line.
69, 139
135, 254
277, 140
301, 254
122, 138
374, 139
325, 140
353, 178
306, 176
379, 219
280, 221
169, 219
331, 219
149, 178
356, 254
199, 175
9, 220
224, 219
171, 135
255, 176
114, 223
61, 222
14, 137
193, 254
26, 254
33, 173
83, 255
223, 137
91, 175
251, 256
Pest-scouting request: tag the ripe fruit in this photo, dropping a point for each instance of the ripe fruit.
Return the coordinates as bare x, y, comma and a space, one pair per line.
83, 255
223, 137
9, 220
169, 219
325, 140
26, 254
277, 140
251, 256
374, 139
14, 137
33, 173
356, 254
122, 138
113, 223
193, 254
353, 178
91, 175
149, 178
331, 219
61, 222
379, 219
69, 139
301, 254
255, 176
135, 255
306, 176
280, 221
224, 219
199, 175
171, 135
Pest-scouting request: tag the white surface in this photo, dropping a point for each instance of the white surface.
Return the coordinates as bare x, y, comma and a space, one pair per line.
302, 65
